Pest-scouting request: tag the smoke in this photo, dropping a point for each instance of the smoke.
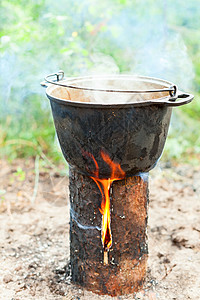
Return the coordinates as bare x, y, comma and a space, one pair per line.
170, 61
103, 64
82, 226
88, 37
149, 45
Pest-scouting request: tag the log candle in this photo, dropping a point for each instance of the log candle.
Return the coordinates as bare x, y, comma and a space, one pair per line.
122, 269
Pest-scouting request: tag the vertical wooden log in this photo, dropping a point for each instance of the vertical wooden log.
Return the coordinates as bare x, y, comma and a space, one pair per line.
127, 258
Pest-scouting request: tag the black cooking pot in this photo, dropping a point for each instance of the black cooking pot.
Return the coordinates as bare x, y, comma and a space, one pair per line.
127, 117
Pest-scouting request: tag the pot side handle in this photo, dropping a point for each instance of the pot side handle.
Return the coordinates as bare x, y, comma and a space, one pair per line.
184, 99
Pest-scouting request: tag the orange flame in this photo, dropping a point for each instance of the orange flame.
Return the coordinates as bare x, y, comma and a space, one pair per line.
104, 186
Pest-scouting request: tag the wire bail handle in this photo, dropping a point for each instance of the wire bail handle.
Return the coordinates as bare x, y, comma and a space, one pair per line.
60, 75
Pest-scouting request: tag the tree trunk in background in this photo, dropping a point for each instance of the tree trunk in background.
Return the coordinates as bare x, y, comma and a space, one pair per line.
127, 258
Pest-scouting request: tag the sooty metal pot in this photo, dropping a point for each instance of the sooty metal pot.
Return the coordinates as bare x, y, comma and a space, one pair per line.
125, 116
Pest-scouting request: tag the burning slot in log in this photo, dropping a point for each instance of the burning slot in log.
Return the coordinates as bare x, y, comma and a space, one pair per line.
104, 186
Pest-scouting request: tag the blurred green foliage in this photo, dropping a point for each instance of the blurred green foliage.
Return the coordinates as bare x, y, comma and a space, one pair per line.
43, 36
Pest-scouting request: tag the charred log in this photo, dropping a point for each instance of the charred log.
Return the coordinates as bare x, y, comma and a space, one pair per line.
125, 270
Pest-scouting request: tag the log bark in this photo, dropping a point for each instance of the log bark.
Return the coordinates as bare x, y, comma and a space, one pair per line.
127, 258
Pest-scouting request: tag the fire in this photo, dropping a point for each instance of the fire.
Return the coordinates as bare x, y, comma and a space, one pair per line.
104, 186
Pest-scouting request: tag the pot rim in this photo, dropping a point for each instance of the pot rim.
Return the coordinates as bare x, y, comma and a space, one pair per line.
167, 100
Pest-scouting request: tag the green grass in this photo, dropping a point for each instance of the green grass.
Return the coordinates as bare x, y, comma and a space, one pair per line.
183, 142
30, 132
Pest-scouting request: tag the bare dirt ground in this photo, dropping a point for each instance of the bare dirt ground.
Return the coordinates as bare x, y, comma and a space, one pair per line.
34, 235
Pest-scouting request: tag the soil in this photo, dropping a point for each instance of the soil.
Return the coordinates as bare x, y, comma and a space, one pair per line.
34, 234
